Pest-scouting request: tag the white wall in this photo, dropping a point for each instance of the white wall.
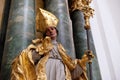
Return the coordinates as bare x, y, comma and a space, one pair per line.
105, 26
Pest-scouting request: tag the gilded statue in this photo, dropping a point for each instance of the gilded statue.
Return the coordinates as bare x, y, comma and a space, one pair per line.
46, 59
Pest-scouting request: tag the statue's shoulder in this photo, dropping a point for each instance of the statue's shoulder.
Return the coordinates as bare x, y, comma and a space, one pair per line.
36, 41
41, 40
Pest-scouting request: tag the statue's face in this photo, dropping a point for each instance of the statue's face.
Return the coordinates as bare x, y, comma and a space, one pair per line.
51, 32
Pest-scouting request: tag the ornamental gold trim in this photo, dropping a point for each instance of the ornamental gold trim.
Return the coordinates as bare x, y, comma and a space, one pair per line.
84, 6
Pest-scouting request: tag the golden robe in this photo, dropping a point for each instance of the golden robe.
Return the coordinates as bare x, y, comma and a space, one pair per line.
24, 68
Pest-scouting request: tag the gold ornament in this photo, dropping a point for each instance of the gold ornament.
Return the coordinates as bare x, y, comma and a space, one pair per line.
84, 6
45, 19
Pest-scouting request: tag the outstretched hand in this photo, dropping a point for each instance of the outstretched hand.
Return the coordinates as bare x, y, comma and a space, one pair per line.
87, 57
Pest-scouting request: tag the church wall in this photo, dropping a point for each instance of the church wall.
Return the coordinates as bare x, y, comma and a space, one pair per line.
105, 30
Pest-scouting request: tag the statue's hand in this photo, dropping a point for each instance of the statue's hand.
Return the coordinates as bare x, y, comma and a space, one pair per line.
35, 56
87, 57
34, 48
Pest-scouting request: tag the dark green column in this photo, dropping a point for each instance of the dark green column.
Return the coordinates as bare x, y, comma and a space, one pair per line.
95, 64
20, 32
79, 33
60, 9
80, 41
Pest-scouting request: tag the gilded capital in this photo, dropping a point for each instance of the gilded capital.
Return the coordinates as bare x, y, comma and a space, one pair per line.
83, 5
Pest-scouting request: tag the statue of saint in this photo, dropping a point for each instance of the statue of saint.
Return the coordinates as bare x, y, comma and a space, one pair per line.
46, 59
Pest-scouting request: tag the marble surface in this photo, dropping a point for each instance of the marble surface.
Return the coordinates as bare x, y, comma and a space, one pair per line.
79, 33
65, 36
20, 32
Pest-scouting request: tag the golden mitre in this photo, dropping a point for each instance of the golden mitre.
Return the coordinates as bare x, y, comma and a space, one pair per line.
44, 20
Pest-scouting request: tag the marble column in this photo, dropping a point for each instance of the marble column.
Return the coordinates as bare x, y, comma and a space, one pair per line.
80, 41
79, 33
95, 64
20, 32
65, 36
